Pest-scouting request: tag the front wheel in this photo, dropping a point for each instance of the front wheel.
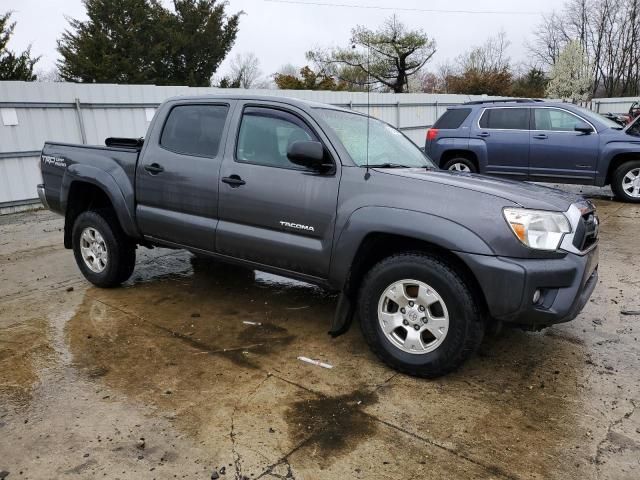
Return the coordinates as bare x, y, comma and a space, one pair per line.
625, 182
105, 255
418, 315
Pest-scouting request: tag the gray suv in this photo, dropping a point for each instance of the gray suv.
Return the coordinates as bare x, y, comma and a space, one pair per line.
539, 141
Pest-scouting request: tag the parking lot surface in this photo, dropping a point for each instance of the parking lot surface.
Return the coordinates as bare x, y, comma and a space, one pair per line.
190, 371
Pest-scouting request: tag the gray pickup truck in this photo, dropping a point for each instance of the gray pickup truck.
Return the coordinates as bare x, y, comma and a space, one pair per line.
425, 258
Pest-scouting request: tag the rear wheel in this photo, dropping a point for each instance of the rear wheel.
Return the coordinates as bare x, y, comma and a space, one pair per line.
625, 182
105, 255
418, 315
460, 164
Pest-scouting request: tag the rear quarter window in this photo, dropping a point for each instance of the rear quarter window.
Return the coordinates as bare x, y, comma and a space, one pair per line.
452, 119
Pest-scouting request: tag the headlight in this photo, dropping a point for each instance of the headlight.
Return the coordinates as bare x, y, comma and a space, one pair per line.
536, 228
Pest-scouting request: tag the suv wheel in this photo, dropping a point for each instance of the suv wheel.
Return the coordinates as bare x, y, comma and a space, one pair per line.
105, 255
625, 182
418, 315
460, 164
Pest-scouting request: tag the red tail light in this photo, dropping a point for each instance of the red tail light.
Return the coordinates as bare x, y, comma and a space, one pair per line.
432, 133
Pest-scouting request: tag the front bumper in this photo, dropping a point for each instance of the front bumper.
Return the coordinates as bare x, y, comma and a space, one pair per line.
509, 285
42, 196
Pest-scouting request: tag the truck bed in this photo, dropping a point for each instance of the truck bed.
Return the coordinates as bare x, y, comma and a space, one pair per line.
60, 160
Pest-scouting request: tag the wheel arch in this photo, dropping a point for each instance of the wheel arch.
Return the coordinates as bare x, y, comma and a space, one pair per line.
88, 188
618, 160
373, 233
459, 153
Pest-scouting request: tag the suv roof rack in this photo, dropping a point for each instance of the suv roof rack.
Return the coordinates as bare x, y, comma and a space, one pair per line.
504, 100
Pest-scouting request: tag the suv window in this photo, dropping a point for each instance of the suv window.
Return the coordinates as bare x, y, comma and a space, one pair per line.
452, 118
194, 129
265, 135
505, 118
555, 120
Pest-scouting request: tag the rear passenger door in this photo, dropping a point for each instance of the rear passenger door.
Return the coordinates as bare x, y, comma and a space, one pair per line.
505, 134
178, 172
272, 211
558, 151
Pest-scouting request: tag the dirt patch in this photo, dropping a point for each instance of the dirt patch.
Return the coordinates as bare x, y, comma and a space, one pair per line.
23, 349
329, 426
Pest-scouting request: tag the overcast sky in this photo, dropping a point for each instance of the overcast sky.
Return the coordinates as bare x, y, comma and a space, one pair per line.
280, 33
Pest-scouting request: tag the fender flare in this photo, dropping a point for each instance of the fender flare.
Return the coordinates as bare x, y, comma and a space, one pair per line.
103, 180
439, 231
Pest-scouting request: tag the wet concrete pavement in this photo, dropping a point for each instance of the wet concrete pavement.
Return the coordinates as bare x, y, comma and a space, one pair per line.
163, 379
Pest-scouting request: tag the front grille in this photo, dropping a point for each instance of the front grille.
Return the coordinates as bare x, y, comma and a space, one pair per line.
587, 231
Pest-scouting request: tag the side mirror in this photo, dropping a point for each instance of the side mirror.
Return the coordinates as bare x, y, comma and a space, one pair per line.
583, 128
307, 154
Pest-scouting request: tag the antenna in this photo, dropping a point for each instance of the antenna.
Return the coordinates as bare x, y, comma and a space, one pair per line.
368, 96
353, 47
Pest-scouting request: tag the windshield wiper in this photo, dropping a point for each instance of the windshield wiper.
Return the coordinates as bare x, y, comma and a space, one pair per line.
388, 165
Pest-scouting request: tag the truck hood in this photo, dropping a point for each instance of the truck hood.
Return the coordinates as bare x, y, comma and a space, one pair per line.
521, 193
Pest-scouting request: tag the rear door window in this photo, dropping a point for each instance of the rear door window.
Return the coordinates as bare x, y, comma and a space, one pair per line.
194, 129
505, 119
452, 119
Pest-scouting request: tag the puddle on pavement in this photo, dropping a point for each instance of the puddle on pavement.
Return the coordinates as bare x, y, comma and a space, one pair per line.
179, 342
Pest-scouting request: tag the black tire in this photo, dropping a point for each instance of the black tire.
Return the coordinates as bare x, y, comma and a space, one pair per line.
121, 251
617, 181
461, 160
466, 321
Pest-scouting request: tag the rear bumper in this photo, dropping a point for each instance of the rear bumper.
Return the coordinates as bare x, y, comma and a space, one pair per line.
509, 285
42, 196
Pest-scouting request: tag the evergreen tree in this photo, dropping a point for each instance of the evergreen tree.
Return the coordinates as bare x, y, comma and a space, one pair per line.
14, 66
140, 41
387, 57
530, 85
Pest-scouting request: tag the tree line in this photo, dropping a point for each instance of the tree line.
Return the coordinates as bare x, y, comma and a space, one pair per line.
606, 32
589, 48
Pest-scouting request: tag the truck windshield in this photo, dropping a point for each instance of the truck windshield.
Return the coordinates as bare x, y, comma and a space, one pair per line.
388, 147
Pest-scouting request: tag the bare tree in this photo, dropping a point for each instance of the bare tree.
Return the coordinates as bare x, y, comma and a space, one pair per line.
491, 56
549, 40
52, 75
608, 32
244, 70
485, 69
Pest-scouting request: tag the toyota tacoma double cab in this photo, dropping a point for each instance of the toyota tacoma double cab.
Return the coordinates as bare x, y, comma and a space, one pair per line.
539, 141
425, 259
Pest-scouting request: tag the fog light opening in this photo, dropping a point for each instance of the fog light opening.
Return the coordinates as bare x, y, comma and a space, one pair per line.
536, 296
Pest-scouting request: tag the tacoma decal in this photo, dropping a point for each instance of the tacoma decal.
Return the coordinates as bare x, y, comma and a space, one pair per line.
297, 226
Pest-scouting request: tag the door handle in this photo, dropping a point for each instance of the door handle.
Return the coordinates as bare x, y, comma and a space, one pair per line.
540, 136
484, 134
154, 168
234, 181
